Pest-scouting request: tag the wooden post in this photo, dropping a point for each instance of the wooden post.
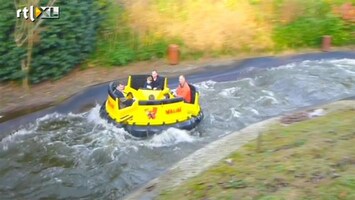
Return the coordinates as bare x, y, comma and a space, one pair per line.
326, 43
173, 54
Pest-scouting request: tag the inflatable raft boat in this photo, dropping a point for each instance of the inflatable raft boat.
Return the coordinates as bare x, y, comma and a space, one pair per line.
145, 117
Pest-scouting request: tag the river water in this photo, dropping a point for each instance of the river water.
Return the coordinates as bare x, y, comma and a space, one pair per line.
70, 156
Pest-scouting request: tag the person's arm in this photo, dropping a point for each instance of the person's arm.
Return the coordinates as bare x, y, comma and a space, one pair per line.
154, 85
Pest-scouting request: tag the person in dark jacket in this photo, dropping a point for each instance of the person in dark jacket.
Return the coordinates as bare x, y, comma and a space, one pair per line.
119, 90
158, 82
119, 93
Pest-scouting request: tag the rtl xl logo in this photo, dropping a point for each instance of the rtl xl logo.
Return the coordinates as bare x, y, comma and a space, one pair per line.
44, 12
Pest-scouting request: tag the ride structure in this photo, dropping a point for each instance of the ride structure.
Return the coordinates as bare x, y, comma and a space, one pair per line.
152, 111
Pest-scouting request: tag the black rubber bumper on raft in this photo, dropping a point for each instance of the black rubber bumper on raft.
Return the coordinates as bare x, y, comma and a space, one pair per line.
149, 130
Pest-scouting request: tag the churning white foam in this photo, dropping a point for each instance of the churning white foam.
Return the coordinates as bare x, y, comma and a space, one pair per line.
229, 92
206, 85
253, 111
235, 113
93, 116
13, 138
170, 137
250, 81
18, 135
346, 61
265, 98
270, 93
288, 66
343, 63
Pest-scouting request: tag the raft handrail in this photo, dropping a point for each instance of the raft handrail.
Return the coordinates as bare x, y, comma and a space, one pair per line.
161, 101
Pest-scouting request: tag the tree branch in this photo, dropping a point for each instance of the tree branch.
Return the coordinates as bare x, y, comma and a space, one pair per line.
39, 22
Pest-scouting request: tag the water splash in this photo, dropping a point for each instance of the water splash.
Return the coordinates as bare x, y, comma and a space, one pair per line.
13, 139
171, 137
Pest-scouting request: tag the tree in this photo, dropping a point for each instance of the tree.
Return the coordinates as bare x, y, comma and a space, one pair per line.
25, 33
47, 49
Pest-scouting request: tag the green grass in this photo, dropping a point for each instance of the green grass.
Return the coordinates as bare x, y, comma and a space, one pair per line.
307, 160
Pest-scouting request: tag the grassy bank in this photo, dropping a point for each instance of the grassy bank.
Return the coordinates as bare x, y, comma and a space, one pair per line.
142, 29
313, 159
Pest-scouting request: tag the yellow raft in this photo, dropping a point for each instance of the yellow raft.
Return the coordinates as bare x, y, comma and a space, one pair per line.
147, 117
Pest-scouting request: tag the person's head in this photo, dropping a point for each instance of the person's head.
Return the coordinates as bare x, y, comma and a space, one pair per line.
120, 86
149, 79
154, 74
151, 97
182, 80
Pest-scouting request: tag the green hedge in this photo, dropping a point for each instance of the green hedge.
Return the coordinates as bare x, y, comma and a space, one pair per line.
308, 32
63, 44
123, 52
10, 55
316, 21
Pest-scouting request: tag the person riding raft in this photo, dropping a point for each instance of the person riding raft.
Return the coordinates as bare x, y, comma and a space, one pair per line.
183, 90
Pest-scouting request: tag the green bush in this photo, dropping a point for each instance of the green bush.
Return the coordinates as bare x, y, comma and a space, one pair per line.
118, 43
125, 49
308, 32
10, 54
63, 43
317, 20
66, 42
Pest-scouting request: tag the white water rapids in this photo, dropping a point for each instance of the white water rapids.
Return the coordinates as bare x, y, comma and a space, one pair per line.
81, 156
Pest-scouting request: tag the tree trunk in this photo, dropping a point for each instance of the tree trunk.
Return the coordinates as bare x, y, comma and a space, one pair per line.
25, 82
27, 64
24, 33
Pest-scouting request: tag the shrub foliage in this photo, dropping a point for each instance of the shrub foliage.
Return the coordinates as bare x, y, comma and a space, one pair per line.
61, 44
